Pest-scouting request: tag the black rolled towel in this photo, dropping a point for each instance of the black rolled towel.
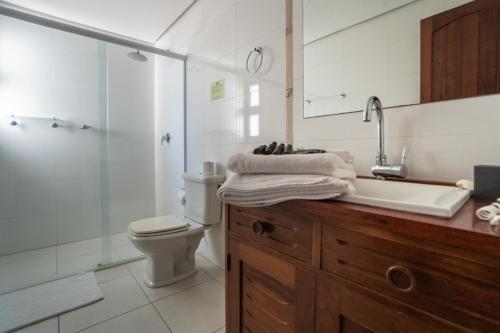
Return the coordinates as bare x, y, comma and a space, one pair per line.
271, 148
260, 150
279, 150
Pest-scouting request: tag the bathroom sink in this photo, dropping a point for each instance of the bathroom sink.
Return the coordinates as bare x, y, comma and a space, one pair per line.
436, 200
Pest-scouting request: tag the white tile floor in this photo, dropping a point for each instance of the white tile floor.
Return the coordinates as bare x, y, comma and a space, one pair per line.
32, 267
194, 305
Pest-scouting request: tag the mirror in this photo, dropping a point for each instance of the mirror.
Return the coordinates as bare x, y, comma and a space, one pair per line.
403, 51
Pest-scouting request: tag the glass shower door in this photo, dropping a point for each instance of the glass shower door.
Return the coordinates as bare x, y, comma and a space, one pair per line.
128, 184
54, 218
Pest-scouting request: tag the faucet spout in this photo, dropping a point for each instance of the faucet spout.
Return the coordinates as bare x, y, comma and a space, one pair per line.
382, 169
375, 103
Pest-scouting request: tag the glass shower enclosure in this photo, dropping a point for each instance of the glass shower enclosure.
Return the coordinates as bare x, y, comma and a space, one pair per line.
78, 149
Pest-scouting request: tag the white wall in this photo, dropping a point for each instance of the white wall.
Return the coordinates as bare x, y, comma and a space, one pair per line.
445, 139
378, 57
50, 178
217, 36
325, 17
169, 118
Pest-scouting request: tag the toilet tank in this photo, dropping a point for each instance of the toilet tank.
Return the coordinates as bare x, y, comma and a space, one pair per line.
202, 204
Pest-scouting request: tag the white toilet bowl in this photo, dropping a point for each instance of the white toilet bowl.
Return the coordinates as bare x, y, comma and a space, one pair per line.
170, 243
170, 253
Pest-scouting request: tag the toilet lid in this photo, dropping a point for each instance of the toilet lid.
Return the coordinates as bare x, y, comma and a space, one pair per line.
158, 225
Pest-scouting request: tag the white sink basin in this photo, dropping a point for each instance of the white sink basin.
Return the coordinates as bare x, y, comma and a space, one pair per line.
434, 200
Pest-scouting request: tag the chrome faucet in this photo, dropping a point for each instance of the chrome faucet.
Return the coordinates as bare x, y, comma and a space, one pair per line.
382, 169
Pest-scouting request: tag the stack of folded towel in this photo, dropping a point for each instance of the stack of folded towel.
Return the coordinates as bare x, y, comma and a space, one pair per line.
490, 213
258, 180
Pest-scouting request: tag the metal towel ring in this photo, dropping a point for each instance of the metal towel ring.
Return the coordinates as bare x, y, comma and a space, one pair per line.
260, 53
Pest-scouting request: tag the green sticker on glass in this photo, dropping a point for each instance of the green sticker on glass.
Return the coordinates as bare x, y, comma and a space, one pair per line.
217, 90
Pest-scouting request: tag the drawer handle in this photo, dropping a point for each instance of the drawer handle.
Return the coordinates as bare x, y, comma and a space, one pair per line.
400, 278
258, 228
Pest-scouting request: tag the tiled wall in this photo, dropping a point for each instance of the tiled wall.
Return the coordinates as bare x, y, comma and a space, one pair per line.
169, 118
445, 139
131, 156
50, 185
217, 36
378, 57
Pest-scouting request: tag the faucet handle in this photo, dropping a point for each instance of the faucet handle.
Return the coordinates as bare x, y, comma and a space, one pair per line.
404, 156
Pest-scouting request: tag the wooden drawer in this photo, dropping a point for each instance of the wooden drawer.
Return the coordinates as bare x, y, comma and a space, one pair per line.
275, 228
456, 289
348, 309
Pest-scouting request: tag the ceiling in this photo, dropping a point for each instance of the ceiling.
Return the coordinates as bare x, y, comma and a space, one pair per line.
140, 19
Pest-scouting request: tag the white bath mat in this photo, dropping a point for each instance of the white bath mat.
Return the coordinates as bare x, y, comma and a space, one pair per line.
28, 306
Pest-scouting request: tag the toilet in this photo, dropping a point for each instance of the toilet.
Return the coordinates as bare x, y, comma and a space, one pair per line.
169, 242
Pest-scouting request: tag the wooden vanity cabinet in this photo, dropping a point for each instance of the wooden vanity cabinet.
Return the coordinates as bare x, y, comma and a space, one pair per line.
325, 267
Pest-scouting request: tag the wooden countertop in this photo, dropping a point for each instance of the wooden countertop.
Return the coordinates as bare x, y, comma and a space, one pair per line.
464, 230
465, 219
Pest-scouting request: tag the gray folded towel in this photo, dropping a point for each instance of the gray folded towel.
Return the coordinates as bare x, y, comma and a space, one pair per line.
315, 164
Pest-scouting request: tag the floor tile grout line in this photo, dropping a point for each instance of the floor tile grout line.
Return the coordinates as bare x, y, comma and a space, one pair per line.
217, 330
57, 261
177, 292
150, 302
180, 291
161, 317
223, 286
215, 265
140, 287
183, 290
113, 317
128, 268
113, 278
204, 271
196, 285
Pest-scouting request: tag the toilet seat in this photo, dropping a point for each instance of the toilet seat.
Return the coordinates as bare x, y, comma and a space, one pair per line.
158, 226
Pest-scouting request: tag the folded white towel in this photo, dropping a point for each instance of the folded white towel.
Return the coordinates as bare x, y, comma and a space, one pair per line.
343, 154
348, 173
254, 190
312, 164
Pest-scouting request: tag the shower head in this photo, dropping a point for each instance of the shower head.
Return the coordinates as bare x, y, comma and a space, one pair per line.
137, 56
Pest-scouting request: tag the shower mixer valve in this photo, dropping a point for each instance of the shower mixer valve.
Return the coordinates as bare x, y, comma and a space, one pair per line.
166, 138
